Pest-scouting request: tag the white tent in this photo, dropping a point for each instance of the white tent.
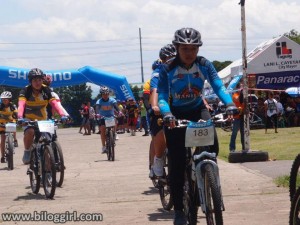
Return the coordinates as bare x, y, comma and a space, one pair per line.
275, 64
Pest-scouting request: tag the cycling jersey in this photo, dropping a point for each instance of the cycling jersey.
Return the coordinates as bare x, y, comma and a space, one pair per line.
7, 113
183, 87
106, 108
35, 105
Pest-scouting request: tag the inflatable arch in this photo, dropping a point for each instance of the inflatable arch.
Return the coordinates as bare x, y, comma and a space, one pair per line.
17, 77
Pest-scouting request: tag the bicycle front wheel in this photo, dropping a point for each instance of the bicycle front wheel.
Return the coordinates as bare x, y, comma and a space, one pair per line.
112, 145
294, 176
164, 191
59, 163
213, 197
10, 152
34, 177
48, 172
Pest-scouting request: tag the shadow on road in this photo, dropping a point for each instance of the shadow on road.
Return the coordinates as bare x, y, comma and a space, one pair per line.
30, 196
161, 215
151, 191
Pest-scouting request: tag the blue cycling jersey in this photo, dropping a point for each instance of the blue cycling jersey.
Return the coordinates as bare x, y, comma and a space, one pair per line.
154, 77
185, 86
106, 108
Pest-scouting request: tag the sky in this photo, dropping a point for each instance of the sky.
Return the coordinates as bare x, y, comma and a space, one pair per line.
104, 34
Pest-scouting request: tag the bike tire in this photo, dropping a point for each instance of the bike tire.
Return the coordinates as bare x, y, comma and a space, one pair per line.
59, 163
295, 209
112, 145
34, 177
190, 206
48, 172
10, 152
165, 192
295, 170
108, 149
213, 197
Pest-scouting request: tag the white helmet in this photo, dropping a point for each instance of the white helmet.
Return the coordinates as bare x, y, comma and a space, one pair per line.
6, 94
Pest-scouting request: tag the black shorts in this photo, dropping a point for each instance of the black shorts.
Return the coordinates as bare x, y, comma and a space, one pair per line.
154, 127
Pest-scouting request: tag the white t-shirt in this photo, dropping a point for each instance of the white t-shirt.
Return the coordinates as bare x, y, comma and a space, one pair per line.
272, 107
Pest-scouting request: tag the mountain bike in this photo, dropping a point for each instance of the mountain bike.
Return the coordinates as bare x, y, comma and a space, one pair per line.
58, 156
202, 186
42, 162
294, 176
110, 137
9, 144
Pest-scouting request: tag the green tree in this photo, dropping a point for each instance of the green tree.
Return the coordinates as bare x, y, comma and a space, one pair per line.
293, 35
72, 98
220, 65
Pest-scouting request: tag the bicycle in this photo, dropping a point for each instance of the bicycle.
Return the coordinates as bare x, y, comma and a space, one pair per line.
110, 137
162, 183
9, 143
58, 156
42, 162
202, 186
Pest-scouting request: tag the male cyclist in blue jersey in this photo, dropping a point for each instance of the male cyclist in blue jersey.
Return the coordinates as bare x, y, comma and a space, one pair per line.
105, 107
159, 144
180, 88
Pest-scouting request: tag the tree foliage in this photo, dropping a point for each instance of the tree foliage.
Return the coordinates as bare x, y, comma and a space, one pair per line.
221, 65
293, 35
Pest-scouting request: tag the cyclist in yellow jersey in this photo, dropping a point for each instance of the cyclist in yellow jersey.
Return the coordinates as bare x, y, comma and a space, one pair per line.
8, 113
33, 101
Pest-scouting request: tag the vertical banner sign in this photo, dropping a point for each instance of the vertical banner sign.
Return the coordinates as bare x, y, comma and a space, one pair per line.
245, 88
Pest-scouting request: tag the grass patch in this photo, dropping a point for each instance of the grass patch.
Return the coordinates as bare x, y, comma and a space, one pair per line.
282, 181
284, 145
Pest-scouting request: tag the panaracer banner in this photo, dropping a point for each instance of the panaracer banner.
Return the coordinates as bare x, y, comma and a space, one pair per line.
17, 77
279, 80
276, 64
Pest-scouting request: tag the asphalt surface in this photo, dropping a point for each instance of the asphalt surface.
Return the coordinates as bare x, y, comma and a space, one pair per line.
122, 193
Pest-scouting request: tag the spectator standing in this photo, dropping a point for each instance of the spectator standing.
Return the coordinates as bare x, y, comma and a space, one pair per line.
271, 112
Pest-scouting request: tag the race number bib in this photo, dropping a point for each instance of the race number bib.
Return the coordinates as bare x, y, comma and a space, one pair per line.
46, 126
199, 134
10, 127
109, 121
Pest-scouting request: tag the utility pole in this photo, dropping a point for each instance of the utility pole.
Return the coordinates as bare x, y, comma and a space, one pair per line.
245, 78
141, 53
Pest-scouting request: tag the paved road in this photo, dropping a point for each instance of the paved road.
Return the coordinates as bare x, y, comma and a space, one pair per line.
123, 194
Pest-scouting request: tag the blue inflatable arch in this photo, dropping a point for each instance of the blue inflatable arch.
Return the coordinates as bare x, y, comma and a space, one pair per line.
17, 77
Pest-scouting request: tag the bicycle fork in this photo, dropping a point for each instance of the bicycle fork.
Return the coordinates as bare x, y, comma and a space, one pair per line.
201, 183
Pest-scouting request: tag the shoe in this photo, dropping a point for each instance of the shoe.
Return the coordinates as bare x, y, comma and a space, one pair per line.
232, 150
3, 160
98, 132
145, 134
26, 157
16, 143
116, 137
128, 131
104, 150
158, 167
151, 173
179, 218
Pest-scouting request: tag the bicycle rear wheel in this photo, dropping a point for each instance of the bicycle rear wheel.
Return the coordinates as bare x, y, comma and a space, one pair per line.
294, 176
48, 171
164, 190
59, 163
34, 177
213, 197
295, 209
108, 149
10, 152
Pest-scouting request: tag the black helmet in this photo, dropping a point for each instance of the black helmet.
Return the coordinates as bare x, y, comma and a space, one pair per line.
187, 36
35, 73
167, 51
104, 90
